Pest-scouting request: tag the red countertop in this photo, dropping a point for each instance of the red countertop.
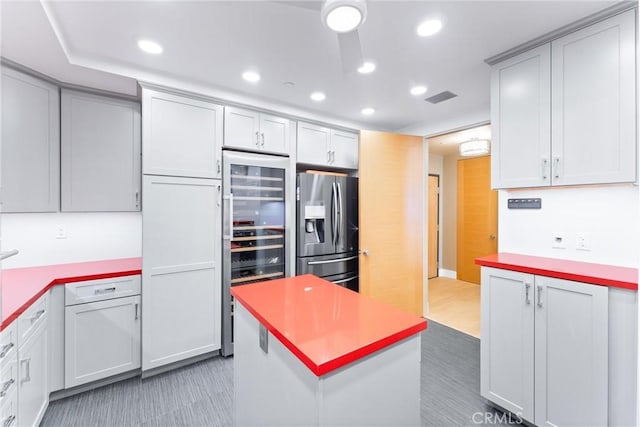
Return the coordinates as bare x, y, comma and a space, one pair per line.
597, 274
325, 325
21, 287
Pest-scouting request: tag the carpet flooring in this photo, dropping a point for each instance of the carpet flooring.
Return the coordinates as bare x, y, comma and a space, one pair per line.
202, 394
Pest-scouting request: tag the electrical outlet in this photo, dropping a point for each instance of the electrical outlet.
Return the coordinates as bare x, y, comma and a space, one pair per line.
583, 242
61, 232
558, 240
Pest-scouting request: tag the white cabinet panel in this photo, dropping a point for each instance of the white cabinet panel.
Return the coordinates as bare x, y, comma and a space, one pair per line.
33, 376
181, 276
100, 153
181, 136
313, 144
507, 346
275, 133
594, 103
521, 123
344, 149
9, 409
101, 339
242, 128
30, 144
571, 348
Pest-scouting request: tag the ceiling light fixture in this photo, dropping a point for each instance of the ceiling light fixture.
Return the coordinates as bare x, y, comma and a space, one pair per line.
368, 111
429, 28
251, 76
474, 147
367, 67
343, 16
149, 46
318, 96
418, 90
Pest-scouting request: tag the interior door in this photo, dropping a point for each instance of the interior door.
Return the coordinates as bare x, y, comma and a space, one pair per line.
391, 219
477, 225
433, 220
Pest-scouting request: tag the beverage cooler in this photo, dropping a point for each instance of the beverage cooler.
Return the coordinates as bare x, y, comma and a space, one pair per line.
255, 226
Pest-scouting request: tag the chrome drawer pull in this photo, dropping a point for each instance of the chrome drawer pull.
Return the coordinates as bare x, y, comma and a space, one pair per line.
5, 387
5, 349
106, 290
8, 421
527, 286
27, 376
38, 315
539, 296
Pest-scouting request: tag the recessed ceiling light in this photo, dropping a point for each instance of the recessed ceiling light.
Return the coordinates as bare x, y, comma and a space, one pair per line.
367, 67
429, 28
318, 96
343, 16
368, 111
251, 76
150, 47
418, 90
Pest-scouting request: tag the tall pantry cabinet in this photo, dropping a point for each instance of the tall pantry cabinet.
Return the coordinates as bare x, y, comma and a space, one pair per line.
181, 287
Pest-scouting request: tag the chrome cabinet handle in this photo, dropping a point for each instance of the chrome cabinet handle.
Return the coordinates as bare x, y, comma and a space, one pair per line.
218, 167
556, 167
5, 387
540, 296
257, 139
105, 290
219, 201
545, 166
137, 198
527, 300
8, 421
5, 349
136, 307
329, 156
333, 156
27, 376
8, 254
36, 316
262, 144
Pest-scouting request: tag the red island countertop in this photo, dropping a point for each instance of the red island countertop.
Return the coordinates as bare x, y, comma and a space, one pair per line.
21, 287
597, 274
325, 325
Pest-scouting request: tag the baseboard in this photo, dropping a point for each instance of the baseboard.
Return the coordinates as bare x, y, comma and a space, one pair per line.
179, 364
443, 272
61, 394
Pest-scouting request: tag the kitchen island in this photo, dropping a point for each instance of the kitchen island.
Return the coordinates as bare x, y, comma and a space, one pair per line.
308, 352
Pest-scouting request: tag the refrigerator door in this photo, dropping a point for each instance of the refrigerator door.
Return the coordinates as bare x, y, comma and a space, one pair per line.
316, 211
255, 226
347, 229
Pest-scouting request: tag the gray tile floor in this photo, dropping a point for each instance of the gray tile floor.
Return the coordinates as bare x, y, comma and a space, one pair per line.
202, 394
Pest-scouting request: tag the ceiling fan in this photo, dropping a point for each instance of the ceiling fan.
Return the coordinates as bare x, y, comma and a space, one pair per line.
343, 17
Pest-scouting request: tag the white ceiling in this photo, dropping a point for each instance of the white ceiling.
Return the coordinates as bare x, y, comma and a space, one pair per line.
210, 43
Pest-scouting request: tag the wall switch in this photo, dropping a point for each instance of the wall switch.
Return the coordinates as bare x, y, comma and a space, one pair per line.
583, 241
61, 232
558, 240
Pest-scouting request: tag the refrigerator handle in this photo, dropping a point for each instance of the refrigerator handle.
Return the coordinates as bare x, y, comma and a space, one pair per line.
340, 214
334, 214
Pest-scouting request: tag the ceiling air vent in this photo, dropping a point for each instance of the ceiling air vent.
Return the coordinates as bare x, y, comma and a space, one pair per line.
439, 97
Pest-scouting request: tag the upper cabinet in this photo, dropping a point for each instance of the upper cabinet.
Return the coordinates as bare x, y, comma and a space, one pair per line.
181, 136
30, 144
565, 113
318, 145
100, 153
251, 130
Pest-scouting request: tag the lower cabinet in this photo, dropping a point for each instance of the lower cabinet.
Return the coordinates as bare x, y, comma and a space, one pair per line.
33, 375
544, 348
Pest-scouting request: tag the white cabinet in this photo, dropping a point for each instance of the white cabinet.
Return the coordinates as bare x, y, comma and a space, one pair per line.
100, 153
181, 136
30, 144
101, 339
181, 283
565, 112
252, 130
9, 375
544, 347
322, 146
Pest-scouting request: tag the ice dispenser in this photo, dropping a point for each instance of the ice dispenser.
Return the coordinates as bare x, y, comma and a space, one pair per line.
314, 222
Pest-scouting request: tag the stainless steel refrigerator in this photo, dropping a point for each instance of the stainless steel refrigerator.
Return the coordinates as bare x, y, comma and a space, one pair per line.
255, 226
327, 227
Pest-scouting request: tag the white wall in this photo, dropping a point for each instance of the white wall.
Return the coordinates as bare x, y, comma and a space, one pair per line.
610, 214
90, 237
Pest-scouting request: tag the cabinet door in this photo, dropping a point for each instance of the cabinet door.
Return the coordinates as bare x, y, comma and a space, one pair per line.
571, 353
100, 153
313, 144
30, 144
344, 149
180, 269
274, 133
507, 344
594, 103
101, 339
242, 128
180, 136
33, 391
520, 120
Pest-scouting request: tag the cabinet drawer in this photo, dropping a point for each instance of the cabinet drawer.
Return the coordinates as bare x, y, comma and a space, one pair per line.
102, 289
8, 344
33, 317
9, 409
8, 380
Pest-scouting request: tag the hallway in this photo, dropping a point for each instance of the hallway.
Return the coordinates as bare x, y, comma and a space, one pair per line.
456, 304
